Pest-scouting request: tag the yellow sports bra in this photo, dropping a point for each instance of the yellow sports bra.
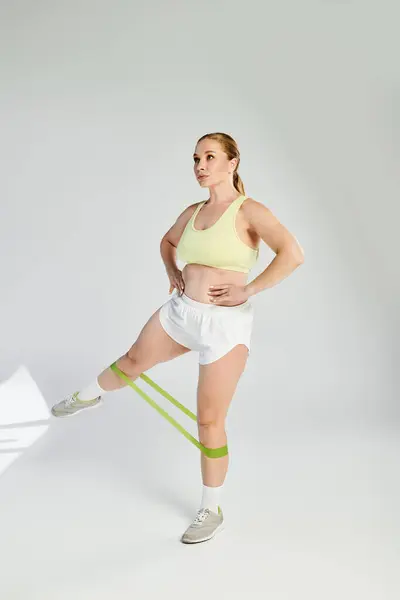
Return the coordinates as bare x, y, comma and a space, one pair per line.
219, 245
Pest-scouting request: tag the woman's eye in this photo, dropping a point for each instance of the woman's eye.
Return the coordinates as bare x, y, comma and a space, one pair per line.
208, 156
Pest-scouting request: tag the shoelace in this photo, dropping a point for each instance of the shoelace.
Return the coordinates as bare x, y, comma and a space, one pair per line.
70, 400
202, 514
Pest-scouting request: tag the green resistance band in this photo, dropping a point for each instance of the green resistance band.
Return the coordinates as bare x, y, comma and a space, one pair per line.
209, 452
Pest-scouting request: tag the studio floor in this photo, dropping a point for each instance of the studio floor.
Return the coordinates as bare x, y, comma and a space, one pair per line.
308, 514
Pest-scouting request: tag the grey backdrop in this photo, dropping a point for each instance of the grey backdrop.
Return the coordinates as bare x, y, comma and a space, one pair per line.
101, 106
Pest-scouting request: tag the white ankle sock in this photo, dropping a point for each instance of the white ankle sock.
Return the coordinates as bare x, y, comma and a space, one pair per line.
91, 392
211, 497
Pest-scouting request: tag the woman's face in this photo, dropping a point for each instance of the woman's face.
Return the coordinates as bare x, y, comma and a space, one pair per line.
211, 164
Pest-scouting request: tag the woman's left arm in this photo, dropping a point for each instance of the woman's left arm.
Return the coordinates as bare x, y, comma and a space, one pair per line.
289, 253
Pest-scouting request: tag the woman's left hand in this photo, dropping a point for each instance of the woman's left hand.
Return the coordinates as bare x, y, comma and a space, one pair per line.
228, 294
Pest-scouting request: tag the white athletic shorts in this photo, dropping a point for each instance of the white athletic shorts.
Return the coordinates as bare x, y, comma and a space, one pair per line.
210, 329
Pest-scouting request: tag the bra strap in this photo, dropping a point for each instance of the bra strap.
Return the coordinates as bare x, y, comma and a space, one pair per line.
239, 201
194, 215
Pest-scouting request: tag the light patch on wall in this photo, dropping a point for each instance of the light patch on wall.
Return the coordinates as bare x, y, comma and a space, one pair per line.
22, 412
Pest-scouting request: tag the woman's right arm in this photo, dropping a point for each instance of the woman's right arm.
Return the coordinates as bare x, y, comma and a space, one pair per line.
169, 244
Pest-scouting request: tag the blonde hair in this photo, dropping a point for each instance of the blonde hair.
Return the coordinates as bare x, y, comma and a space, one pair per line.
229, 146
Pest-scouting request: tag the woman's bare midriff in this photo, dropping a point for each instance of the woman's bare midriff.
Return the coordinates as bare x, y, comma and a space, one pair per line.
198, 279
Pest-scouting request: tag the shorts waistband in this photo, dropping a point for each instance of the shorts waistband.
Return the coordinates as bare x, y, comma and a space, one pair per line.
205, 306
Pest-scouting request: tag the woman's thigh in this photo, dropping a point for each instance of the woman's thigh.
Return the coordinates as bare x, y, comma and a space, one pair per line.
153, 345
217, 385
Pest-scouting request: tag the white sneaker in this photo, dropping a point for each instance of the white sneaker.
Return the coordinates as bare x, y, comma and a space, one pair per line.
206, 524
71, 405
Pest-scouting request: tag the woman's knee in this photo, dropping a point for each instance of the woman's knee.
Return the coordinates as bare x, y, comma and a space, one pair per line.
210, 420
212, 432
132, 353
129, 363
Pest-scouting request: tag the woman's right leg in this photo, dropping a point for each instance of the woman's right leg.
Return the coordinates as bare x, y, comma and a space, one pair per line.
152, 346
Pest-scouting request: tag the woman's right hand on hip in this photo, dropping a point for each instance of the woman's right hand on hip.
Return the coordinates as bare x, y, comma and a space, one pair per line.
176, 281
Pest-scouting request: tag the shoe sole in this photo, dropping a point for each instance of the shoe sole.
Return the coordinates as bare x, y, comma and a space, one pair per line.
217, 530
78, 411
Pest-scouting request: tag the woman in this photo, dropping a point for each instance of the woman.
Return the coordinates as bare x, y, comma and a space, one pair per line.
210, 311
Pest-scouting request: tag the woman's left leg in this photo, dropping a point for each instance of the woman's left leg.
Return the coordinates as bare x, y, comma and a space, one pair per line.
216, 388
